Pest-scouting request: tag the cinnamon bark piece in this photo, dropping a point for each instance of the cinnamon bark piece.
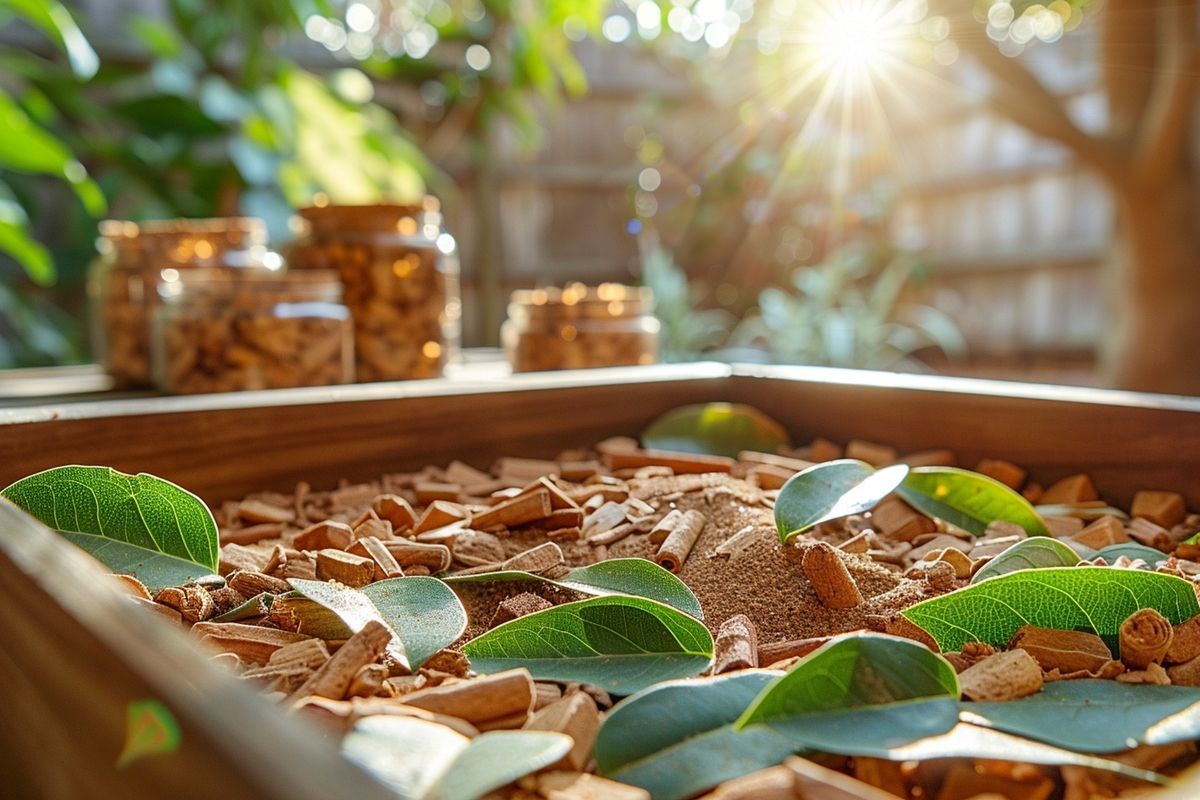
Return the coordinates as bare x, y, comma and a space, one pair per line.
897, 520
429, 491
254, 511
679, 543
396, 510
254, 533
339, 565
334, 676
1185, 644
1003, 676
1145, 638
235, 557
575, 785
524, 470
606, 517
1153, 675
1185, 674
765, 476
1067, 651
736, 645
577, 716
1006, 472
559, 500
877, 455
614, 535
1063, 527
481, 701
373, 527
538, 560
250, 584
439, 514
772, 460
563, 518
464, 474
1150, 534
519, 606
386, 565
322, 535
681, 463
193, 603
578, 471
829, 577
1162, 508
736, 543
1073, 489
519, 511
931, 458
250, 643
1102, 532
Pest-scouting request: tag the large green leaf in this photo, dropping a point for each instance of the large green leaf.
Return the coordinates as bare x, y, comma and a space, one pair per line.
422, 760
832, 490
677, 739
1033, 553
860, 688
968, 500
423, 611
630, 576
27, 147
621, 644
33, 257
719, 429
1096, 716
139, 510
1095, 599
155, 570
423, 614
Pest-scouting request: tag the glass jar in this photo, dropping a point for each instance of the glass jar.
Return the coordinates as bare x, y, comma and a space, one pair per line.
133, 259
400, 274
580, 327
221, 330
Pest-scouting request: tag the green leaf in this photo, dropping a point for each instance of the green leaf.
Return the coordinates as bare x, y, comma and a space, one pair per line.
1034, 553
860, 689
139, 510
155, 570
33, 257
677, 739
53, 19
27, 147
256, 606
973, 741
832, 490
423, 611
422, 760
968, 500
1133, 551
1097, 716
628, 576
719, 429
1096, 599
423, 614
621, 644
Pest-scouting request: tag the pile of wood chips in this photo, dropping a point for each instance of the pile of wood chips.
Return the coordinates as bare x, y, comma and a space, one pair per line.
690, 514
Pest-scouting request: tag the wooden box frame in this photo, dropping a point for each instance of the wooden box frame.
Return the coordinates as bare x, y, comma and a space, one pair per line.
72, 656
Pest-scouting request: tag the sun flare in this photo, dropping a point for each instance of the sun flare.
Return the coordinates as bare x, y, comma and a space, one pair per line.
855, 36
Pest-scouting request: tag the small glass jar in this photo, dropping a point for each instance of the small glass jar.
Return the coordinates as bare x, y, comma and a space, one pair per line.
220, 330
134, 257
400, 273
580, 327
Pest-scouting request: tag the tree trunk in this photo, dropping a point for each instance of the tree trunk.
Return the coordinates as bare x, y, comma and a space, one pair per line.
1154, 288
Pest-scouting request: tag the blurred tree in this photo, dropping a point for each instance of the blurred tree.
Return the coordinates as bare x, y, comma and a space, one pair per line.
1149, 54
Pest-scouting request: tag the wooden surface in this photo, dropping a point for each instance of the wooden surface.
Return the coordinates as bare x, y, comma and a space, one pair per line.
74, 653
221, 446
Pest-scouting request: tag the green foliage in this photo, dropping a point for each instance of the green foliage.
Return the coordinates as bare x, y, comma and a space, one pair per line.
719, 429
688, 331
126, 521
422, 614
968, 500
832, 490
422, 760
635, 577
848, 312
1034, 553
1096, 599
1098, 716
621, 644
677, 739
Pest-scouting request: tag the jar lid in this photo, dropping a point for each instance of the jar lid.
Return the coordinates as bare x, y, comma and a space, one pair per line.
211, 242
405, 219
576, 301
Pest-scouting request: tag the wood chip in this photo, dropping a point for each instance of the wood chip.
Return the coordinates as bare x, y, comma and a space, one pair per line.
324, 535
1003, 676
1102, 532
250, 643
512, 513
253, 534
1007, 473
899, 521
347, 568
483, 701
386, 565
1073, 489
574, 785
681, 463
830, 579
1165, 509
577, 716
877, 455
736, 645
396, 510
679, 543
439, 514
335, 675
253, 511
1066, 651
